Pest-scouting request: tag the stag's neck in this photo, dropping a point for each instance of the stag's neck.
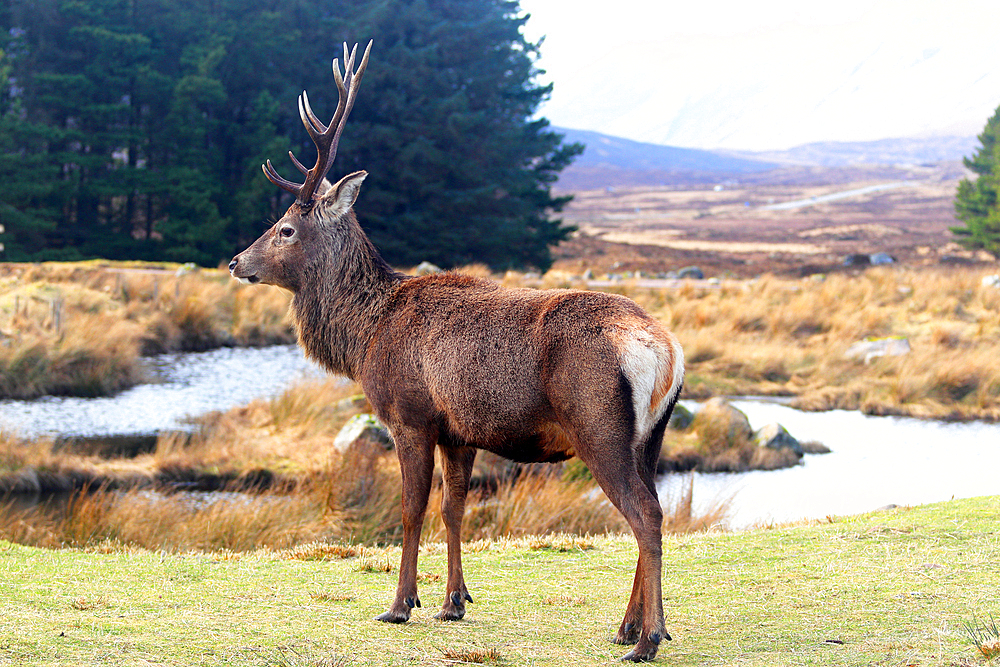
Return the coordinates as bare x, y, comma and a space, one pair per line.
341, 303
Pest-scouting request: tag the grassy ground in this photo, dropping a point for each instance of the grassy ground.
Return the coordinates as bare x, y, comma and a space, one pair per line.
890, 588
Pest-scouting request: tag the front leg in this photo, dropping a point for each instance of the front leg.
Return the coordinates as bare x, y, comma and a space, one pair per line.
457, 461
415, 450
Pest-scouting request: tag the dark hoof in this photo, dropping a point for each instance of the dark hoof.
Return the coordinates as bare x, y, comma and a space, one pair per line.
394, 616
454, 606
628, 634
635, 655
451, 614
646, 649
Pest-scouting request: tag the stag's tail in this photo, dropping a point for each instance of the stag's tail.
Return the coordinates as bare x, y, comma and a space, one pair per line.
653, 362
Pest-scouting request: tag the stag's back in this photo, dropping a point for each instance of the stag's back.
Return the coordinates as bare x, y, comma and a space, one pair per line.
497, 366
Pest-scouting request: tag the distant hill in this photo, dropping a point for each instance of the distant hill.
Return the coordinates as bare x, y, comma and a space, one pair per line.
927, 150
627, 154
615, 162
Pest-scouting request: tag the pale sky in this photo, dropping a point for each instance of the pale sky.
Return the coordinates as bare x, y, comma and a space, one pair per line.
769, 74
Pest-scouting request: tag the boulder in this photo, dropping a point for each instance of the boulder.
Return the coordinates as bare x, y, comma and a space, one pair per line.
681, 418
362, 428
880, 258
857, 259
692, 272
991, 281
720, 426
878, 347
774, 436
426, 269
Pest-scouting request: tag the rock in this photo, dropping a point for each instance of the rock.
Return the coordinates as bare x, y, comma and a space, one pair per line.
357, 401
691, 272
880, 258
774, 436
814, 447
363, 427
588, 275
991, 281
878, 347
681, 418
186, 268
426, 269
857, 259
721, 426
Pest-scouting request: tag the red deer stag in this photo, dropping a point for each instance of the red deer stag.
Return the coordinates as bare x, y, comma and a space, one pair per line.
461, 364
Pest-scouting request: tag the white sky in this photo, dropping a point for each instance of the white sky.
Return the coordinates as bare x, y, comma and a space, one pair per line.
769, 74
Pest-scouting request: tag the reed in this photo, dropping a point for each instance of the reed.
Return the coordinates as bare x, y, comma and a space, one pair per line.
80, 328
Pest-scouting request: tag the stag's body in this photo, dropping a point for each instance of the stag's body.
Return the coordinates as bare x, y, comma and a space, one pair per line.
461, 364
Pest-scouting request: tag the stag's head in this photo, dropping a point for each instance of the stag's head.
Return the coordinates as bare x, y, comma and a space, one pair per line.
276, 258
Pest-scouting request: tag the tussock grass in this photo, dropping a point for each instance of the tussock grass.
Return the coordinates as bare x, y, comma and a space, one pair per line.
985, 636
787, 337
479, 656
80, 328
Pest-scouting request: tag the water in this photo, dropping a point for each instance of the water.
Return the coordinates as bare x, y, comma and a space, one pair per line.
876, 461
186, 385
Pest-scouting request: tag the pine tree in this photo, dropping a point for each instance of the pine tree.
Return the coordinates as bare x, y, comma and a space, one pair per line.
976, 202
459, 171
136, 128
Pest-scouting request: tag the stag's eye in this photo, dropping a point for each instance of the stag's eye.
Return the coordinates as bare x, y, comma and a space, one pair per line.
286, 232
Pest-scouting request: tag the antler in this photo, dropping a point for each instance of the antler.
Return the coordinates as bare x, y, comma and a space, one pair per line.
326, 137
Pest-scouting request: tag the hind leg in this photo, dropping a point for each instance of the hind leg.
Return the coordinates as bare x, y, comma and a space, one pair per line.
620, 479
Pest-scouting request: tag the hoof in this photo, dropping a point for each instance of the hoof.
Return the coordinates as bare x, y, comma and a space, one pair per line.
451, 614
635, 655
454, 606
394, 616
646, 649
628, 634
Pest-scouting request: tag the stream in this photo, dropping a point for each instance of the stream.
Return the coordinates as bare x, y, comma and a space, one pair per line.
876, 461
185, 385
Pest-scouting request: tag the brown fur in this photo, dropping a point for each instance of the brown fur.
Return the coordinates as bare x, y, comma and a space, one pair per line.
461, 364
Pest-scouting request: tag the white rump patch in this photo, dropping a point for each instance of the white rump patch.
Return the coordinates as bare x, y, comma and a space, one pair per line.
645, 361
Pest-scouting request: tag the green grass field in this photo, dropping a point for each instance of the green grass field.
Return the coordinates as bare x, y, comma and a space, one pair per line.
888, 588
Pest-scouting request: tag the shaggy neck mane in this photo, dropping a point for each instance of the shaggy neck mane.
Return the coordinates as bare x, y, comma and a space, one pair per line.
341, 299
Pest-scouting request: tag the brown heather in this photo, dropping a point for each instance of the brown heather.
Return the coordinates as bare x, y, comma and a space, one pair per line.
787, 337
80, 328
322, 505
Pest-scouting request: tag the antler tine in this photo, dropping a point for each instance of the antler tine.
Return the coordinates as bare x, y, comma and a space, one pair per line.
298, 165
272, 175
325, 137
353, 82
305, 111
314, 126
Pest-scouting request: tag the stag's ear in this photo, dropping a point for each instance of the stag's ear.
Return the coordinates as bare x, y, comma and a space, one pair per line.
341, 197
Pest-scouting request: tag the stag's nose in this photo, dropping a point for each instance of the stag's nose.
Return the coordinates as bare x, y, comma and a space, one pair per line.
232, 264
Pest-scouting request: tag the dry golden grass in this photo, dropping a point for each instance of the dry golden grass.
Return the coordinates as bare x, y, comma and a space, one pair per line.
787, 337
79, 328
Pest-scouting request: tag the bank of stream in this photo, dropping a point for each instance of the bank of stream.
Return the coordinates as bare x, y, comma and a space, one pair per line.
875, 461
